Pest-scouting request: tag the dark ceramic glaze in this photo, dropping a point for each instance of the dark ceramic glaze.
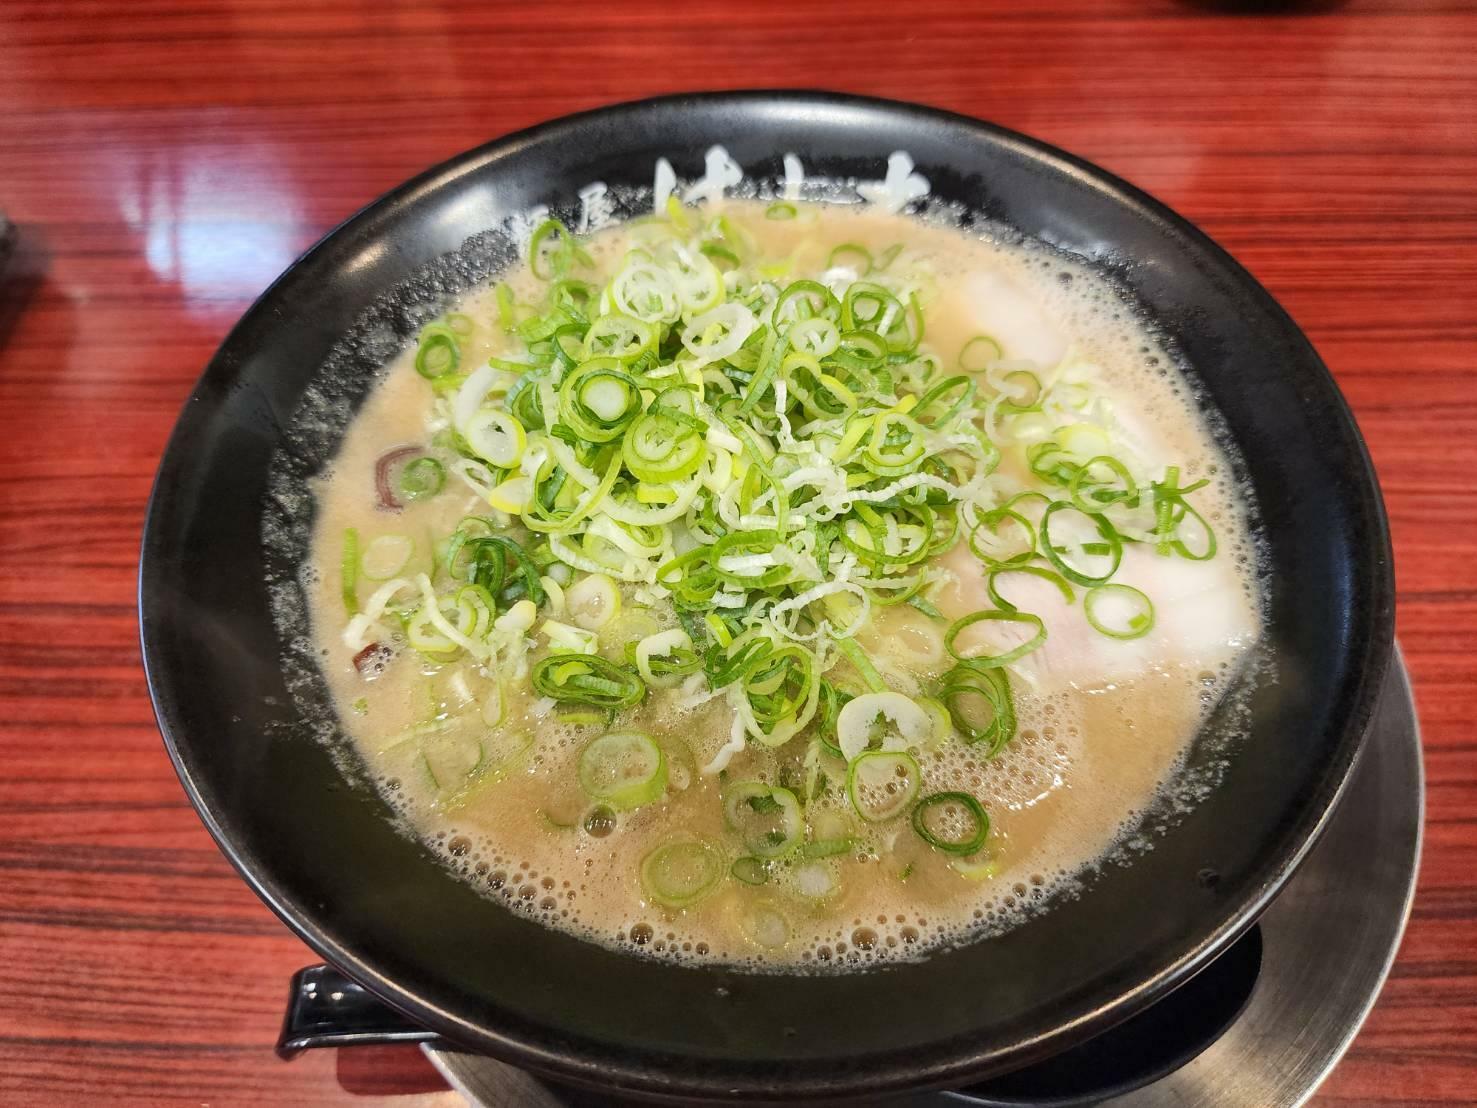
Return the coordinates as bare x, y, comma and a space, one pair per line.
324, 856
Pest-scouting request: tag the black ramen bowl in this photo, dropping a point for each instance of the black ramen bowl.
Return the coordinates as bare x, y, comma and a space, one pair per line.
241, 706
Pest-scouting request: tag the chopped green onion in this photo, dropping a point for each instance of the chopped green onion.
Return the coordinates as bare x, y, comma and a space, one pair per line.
678, 874
551, 250
750, 870
765, 925
421, 478
624, 769
598, 399
505, 307
864, 667
1027, 399
1171, 509
386, 556
979, 352
349, 571
1207, 551
777, 457
1118, 611
496, 563
496, 437
1055, 579
980, 866
980, 704
977, 656
881, 784
992, 554
953, 822
1091, 495
620, 337
437, 355
664, 444
851, 255
593, 601
1111, 546
766, 817
779, 685
588, 680
888, 719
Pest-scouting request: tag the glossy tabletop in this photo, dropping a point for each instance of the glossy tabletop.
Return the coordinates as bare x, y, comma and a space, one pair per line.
164, 160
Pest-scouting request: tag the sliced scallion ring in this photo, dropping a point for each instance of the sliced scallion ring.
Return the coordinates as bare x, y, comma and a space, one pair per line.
1108, 546
887, 720
1005, 656
665, 658
992, 548
386, 556
624, 769
664, 444
1052, 578
680, 873
1089, 493
598, 399
719, 333
588, 680
767, 818
593, 601
980, 704
1178, 513
496, 437
816, 337
421, 478
750, 870
551, 250
1020, 392
437, 355
765, 925
881, 784
953, 822
1119, 611
981, 866
621, 337
979, 352
850, 255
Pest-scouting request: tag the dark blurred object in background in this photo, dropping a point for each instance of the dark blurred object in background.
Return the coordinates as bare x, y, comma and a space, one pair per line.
24, 260
1266, 7
7, 241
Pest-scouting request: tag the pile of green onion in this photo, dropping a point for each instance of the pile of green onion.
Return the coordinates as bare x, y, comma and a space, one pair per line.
758, 461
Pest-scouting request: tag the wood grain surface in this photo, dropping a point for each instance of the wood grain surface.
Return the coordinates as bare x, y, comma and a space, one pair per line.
165, 159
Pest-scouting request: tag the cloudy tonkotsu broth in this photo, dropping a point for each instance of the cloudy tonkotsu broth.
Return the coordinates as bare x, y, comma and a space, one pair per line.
635, 799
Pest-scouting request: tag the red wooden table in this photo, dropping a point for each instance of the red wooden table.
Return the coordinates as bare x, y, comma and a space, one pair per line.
166, 159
